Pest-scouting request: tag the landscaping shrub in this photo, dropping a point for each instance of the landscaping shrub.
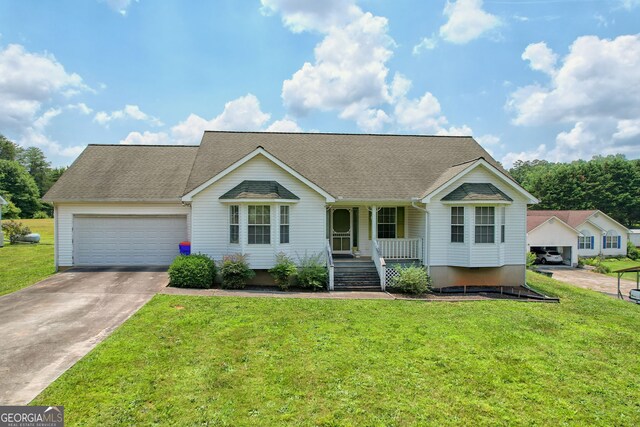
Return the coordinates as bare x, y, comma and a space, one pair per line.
531, 259
284, 270
312, 272
15, 230
235, 271
40, 215
192, 271
411, 279
592, 261
632, 251
580, 262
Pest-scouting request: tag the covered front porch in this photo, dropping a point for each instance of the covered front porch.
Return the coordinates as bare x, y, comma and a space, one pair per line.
384, 235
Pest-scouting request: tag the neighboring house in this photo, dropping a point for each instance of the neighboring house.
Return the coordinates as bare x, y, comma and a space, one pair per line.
586, 233
440, 201
634, 237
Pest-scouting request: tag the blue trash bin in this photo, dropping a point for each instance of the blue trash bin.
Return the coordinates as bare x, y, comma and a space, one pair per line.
185, 248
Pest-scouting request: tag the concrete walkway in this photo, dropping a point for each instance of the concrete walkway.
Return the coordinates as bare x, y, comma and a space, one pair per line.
584, 278
46, 328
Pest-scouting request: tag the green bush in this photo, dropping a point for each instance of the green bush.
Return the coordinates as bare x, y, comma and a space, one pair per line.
632, 251
15, 230
602, 268
284, 270
312, 272
10, 211
593, 261
192, 271
235, 271
580, 262
411, 279
531, 259
40, 215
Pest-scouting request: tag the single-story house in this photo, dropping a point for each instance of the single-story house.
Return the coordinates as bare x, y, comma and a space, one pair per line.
634, 237
584, 233
443, 202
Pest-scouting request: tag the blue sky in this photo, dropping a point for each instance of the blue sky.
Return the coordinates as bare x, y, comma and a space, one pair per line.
552, 79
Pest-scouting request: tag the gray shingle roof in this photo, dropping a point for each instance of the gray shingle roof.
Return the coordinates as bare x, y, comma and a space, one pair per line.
365, 167
259, 190
347, 166
126, 173
469, 192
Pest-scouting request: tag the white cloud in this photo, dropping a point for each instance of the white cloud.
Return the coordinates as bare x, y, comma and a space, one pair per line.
147, 138
467, 21
629, 4
320, 16
595, 90
28, 81
421, 115
284, 125
120, 6
81, 107
488, 140
349, 70
35, 135
243, 113
627, 129
510, 158
132, 112
427, 43
540, 58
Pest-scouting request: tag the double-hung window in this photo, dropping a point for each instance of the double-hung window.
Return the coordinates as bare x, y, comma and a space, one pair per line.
259, 225
457, 224
234, 224
387, 223
611, 240
584, 242
485, 224
284, 224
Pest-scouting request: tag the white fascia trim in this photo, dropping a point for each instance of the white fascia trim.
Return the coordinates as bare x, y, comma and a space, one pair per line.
260, 201
607, 216
482, 162
560, 221
476, 202
593, 224
189, 196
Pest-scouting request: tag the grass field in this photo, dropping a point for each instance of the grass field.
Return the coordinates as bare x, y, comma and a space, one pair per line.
267, 361
615, 264
22, 265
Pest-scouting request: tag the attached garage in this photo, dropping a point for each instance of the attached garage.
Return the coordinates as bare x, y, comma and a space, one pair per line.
551, 233
127, 240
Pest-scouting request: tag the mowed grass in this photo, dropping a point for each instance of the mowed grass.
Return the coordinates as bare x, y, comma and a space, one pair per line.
619, 264
23, 264
265, 361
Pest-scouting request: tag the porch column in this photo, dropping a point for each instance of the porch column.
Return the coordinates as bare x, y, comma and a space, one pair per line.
374, 223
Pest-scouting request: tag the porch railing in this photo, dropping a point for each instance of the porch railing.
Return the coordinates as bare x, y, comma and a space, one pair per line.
381, 265
401, 248
330, 265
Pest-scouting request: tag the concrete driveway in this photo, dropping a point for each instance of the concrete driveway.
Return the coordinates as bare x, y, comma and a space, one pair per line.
585, 278
46, 328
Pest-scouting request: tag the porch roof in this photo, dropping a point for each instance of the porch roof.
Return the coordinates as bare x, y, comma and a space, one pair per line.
259, 190
469, 192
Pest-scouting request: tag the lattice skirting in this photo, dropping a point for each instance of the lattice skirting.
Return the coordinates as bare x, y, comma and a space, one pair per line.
390, 273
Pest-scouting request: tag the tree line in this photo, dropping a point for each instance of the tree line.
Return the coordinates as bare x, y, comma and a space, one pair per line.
25, 176
607, 183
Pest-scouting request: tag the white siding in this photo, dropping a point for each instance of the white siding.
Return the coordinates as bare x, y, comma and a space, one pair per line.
597, 240
469, 254
210, 217
607, 224
65, 213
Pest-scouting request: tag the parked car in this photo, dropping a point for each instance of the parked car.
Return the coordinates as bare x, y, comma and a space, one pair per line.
549, 256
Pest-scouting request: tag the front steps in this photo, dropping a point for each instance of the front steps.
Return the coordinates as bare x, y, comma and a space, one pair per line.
355, 274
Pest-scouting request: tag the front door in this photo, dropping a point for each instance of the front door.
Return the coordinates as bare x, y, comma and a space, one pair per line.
341, 231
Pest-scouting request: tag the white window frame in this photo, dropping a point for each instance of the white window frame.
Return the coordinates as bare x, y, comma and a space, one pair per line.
459, 216
395, 223
610, 240
285, 216
584, 241
234, 222
262, 225
503, 220
481, 224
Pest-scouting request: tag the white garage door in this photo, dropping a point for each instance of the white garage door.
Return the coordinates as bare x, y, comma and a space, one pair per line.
127, 240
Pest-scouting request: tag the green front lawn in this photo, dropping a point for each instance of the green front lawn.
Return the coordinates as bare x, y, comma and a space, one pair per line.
265, 361
616, 264
22, 264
